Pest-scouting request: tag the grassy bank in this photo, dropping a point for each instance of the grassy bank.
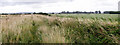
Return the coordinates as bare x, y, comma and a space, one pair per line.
60, 29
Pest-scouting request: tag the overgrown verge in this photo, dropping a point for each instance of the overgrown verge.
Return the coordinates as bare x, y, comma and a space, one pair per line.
45, 29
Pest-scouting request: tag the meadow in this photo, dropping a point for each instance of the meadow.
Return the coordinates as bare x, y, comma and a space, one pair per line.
60, 28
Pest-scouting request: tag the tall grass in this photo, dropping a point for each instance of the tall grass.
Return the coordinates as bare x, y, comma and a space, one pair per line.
52, 29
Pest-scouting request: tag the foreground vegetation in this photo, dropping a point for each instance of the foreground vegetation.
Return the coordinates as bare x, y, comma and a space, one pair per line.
60, 29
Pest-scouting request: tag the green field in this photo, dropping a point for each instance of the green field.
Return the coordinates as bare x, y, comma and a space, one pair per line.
61, 28
112, 17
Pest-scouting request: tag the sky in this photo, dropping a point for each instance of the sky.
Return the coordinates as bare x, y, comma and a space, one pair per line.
12, 6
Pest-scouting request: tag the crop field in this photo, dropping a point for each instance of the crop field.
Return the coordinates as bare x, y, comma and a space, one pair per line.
60, 28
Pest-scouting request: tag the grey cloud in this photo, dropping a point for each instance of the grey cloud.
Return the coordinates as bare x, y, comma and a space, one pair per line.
27, 2
33, 0
16, 3
119, 6
106, 3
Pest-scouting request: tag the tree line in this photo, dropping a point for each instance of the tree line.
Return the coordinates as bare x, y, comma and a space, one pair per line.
41, 13
65, 12
96, 12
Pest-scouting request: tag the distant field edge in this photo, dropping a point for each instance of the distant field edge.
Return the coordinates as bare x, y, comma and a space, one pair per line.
60, 44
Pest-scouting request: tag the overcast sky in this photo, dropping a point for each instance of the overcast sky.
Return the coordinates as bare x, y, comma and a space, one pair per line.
10, 6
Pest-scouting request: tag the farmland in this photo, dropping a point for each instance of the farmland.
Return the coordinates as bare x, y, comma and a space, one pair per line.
60, 28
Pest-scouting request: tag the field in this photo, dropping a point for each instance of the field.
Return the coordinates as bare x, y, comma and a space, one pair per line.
60, 28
